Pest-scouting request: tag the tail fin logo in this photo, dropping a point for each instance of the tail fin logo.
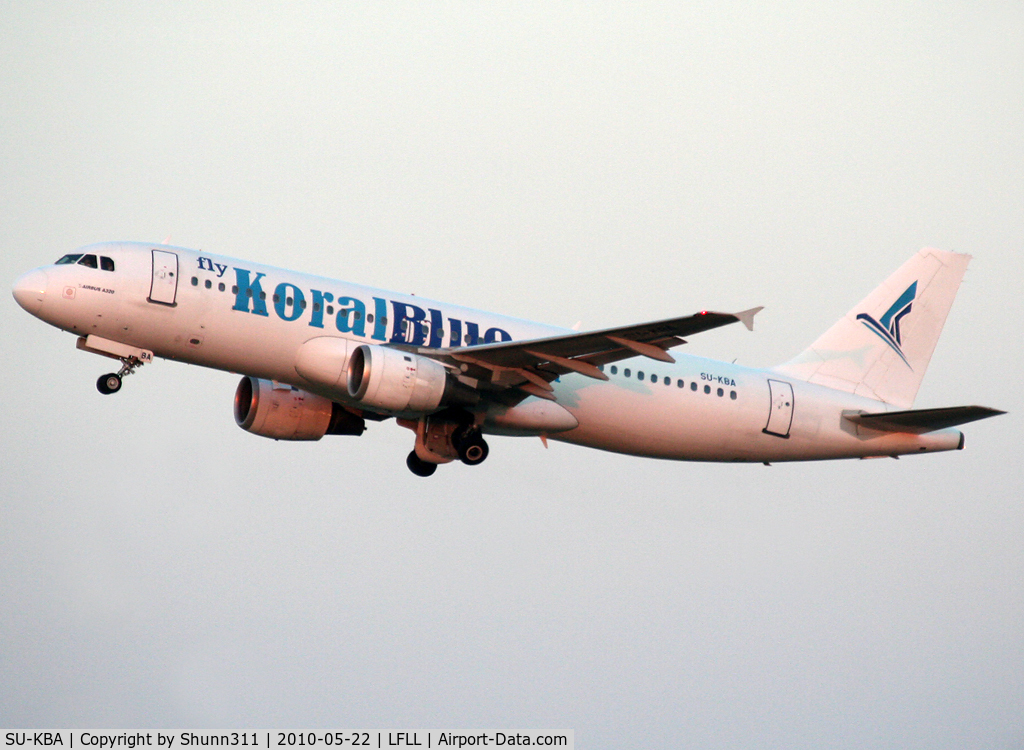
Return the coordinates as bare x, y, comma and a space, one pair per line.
887, 327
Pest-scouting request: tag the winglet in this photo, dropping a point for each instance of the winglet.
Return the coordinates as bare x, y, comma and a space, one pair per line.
747, 316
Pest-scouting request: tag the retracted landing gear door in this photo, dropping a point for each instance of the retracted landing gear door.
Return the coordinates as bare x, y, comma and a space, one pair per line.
165, 278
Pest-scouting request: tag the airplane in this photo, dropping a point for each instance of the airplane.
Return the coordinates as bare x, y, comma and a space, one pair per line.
320, 357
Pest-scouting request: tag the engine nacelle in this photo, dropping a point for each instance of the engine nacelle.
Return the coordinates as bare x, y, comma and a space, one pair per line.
278, 411
396, 381
323, 360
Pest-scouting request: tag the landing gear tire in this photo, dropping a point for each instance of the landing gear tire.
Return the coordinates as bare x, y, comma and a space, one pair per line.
109, 383
419, 467
472, 448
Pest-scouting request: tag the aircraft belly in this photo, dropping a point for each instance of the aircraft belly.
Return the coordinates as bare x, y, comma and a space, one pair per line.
670, 423
687, 425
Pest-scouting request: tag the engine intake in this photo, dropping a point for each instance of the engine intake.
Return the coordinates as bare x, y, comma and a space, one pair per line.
281, 412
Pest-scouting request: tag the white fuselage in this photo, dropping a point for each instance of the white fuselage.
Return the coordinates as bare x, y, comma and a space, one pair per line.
251, 319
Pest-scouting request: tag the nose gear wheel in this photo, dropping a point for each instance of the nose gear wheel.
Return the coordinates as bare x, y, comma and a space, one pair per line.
111, 382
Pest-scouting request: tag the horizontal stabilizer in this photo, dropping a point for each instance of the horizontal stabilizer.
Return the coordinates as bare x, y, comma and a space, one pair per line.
919, 421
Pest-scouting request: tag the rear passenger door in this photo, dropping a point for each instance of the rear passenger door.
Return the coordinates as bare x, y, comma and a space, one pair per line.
780, 415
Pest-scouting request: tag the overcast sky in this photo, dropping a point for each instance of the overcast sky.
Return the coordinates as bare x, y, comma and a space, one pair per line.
600, 163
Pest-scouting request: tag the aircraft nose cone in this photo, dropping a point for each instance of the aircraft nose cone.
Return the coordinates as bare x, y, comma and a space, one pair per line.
30, 290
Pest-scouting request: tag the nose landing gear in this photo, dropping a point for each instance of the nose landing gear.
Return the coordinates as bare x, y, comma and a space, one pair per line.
129, 357
111, 382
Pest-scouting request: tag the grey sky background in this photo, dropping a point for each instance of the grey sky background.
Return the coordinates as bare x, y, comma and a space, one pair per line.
559, 162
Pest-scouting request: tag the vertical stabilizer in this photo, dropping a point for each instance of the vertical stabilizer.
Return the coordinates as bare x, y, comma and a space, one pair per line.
882, 347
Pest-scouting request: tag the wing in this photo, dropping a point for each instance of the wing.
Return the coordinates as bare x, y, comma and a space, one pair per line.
530, 366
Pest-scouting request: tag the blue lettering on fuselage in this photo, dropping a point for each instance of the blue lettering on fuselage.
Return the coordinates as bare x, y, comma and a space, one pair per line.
496, 335
351, 316
249, 291
319, 301
380, 325
436, 329
409, 324
283, 300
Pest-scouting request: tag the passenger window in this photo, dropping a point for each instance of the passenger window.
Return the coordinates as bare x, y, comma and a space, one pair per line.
615, 370
89, 261
679, 383
195, 281
720, 393
707, 389
639, 375
263, 295
668, 380
732, 395
106, 264
277, 298
302, 305
220, 286
330, 309
626, 372
316, 307
234, 288
693, 385
209, 284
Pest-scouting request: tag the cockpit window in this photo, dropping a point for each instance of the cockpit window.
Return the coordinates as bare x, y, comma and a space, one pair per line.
68, 259
106, 264
89, 261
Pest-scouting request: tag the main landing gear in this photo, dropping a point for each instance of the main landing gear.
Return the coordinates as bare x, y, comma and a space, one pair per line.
441, 440
420, 467
470, 445
111, 382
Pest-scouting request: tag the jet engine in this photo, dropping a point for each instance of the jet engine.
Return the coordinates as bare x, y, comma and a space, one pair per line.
281, 412
397, 381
